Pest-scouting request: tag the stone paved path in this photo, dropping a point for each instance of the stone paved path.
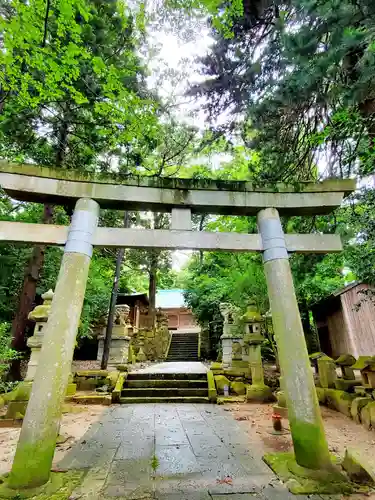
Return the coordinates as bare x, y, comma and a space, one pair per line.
172, 452
176, 367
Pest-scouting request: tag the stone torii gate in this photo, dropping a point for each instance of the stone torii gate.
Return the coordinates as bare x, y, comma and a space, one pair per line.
36, 445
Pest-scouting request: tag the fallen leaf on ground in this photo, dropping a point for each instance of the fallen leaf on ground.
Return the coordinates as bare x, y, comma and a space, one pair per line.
226, 480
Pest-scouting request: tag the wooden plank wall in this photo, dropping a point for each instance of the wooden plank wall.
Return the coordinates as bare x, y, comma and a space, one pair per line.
338, 334
361, 322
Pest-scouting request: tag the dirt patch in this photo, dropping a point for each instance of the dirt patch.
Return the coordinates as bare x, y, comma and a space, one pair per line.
341, 432
73, 426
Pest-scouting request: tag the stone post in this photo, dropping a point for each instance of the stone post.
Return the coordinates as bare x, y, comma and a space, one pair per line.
327, 372
36, 445
226, 342
257, 391
310, 444
40, 315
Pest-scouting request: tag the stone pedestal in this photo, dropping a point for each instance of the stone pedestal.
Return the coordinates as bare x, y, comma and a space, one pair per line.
120, 339
258, 391
40, 316
327, 372
226, 342
119, 348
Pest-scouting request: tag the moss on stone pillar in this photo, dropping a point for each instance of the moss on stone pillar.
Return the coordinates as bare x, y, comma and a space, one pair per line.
310, 445
37, 442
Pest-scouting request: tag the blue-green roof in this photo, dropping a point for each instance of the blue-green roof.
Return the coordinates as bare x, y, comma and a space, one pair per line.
166, 299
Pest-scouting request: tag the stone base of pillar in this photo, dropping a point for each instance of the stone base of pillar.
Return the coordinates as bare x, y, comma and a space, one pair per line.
259, 393
302, 481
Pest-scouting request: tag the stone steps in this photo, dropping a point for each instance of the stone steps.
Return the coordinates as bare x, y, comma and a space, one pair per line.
166, 376
165, 388
183, 347
181, 399
181, 384
164, 392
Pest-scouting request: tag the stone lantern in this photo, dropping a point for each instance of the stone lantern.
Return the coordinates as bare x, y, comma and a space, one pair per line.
40, 316
253, 338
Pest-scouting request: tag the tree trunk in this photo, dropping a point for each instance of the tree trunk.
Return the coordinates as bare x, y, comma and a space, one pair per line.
34, 267
27, 298
114, 294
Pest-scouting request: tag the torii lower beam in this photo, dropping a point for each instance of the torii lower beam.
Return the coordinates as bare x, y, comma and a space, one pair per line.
164, 239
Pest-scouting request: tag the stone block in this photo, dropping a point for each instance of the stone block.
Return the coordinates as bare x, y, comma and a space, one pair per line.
281, 399
112, 378
327, 372
94, 399
238, 388
339, 400
371, 379
368, 416
212, 393
358, 468
348, 373
346, 385
237, 372
356, 409
260, 393
71, 389
361, 390
221, 381
345, 360
321, 393
20, 393
16, 409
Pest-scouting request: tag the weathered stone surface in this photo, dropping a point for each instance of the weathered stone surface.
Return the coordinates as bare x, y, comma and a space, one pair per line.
320, 391
357, 467
261, 393
169, 452
221, 381
327, 372
339, 400
233, 198
238, 388
368, 416
345, 360
346, 385
357, 405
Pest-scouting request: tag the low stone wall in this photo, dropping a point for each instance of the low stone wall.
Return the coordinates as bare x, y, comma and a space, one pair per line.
154, 343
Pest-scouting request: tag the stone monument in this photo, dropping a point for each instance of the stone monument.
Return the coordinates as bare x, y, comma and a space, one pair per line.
258, 390
121, 336
229, 337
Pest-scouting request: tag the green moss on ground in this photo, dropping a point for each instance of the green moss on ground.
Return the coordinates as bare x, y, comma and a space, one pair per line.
280, 464
60, 487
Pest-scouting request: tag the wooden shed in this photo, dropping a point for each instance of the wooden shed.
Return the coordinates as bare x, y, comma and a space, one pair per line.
346, 322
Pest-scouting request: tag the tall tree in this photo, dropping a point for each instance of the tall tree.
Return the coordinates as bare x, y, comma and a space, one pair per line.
86, 113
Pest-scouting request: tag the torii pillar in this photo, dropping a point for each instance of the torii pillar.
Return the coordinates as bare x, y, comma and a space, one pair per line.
306, 425
36, 446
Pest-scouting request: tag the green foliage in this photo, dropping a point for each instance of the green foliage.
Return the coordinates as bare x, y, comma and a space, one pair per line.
6, 355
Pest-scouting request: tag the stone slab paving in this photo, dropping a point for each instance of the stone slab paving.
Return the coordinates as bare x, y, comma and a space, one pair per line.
171, 451
175, 367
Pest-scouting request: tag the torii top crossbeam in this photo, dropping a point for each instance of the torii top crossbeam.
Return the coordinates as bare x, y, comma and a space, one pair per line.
41, 184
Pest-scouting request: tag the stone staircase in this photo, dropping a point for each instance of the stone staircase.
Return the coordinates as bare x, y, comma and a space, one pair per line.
184, 347
165, 388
